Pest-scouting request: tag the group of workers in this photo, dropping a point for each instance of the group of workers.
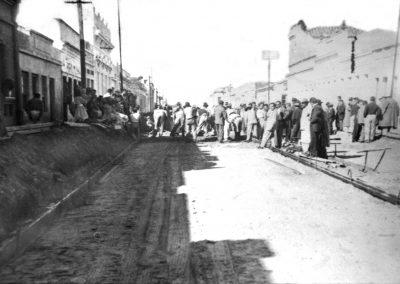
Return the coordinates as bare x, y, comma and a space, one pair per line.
305, 123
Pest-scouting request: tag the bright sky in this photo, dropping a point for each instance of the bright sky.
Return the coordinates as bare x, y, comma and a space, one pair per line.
191, 47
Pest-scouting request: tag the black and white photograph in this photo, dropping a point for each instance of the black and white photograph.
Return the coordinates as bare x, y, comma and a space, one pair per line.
199, 141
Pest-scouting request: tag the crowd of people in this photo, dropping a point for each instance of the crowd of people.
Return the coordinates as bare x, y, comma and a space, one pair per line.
114, 108
306, 123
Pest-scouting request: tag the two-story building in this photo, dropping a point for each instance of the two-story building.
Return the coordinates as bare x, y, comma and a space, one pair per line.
103, 70
40, 65
327, 62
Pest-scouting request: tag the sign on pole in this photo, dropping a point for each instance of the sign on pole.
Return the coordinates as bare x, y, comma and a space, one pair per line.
270, 54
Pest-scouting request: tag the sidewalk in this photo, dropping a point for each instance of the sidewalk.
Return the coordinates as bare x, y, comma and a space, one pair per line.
387, 174
395, 134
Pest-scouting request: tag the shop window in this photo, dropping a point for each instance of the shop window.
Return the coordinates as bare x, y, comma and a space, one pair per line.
45, 94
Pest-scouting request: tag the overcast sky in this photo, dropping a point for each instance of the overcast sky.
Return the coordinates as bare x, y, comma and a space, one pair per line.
192, 47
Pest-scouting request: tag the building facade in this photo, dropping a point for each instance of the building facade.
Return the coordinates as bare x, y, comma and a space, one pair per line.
278, 92
222, 93
40, 66
102, 47
327, 62
70, 58
10, 93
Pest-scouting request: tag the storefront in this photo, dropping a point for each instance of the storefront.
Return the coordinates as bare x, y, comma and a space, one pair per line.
40, 72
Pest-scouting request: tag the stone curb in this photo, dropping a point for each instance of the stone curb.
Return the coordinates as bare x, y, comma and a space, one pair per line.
374, 191
24, 237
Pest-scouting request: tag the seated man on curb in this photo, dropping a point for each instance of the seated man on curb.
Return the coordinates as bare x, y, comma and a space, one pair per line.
34, 108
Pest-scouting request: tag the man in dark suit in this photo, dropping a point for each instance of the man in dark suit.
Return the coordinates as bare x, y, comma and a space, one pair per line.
317, 124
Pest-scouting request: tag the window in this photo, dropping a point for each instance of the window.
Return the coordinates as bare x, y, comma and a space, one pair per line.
35, 83
52, 90
284, 99
45, 94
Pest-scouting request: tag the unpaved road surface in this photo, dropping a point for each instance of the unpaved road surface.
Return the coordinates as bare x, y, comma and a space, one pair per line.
177, 212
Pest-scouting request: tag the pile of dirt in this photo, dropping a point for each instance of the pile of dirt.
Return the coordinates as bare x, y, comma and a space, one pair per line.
40, 169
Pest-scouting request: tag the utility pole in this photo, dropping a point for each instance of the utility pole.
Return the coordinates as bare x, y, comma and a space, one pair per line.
269, 79
81, 39
121, 77
395, 57
151, 93
269, 55
158, 99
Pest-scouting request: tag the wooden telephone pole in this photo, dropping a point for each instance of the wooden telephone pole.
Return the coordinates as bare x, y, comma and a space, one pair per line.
120, 50
82, 39
395, 58
269, 55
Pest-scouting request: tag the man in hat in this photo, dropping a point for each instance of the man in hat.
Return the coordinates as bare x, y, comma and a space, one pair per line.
353, 114
296, 117
220, 120
34, 108
227, 125
280, 124
160, 116
270, 126
204, 115
261, 116
190, 120
287, 116
371, 112
305, 125
317, 124
330, 116
340, 113
178, 117
235, 123
252, 121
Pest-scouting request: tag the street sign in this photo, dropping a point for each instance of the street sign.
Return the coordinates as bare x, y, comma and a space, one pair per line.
270, 54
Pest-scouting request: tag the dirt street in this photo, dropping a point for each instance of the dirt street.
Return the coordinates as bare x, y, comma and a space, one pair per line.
180, 212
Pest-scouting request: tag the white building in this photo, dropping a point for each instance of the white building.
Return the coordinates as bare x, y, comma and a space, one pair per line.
327, 62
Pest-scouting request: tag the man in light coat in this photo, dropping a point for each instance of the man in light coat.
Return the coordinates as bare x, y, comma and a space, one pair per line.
251, 116
269, 126
220, 120
305, 137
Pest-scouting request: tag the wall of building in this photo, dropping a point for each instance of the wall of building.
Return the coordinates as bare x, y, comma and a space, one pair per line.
71, 64
10, 102
40, 66
102, 47
343, 61
278, 92
222, 93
